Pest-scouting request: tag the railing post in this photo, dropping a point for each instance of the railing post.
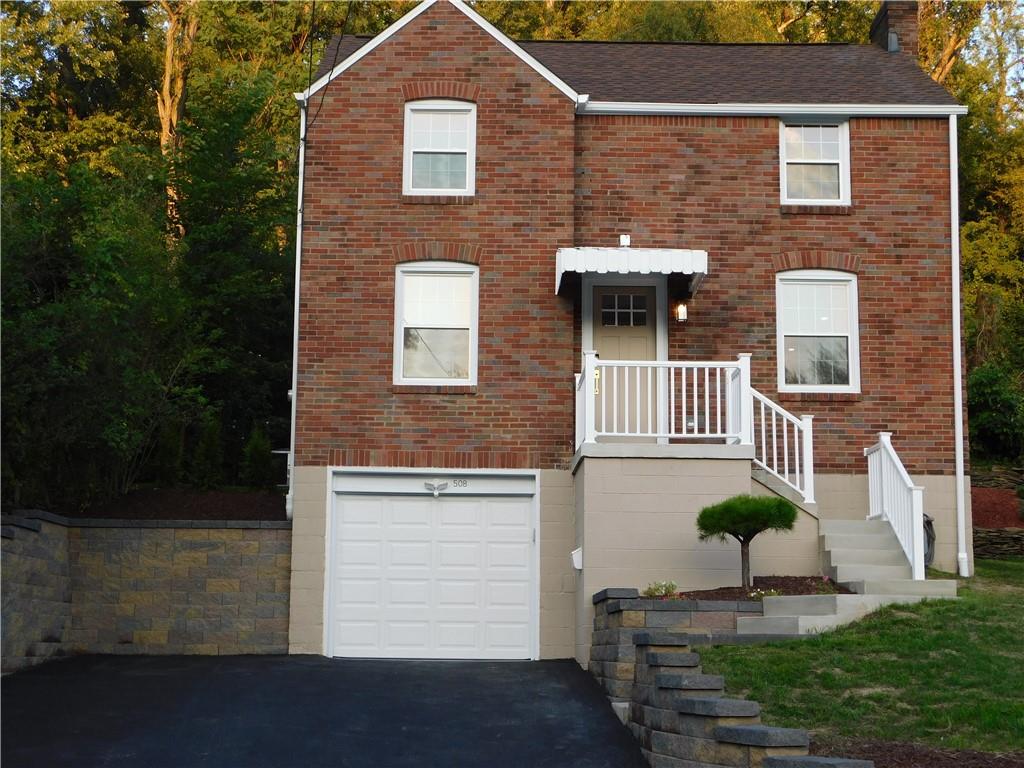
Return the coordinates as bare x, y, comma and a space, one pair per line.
590, 385
917, 535
746, 401
807, 424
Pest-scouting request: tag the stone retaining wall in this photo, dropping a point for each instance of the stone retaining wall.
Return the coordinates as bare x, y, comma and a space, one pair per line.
143, 586
999, 543
620, 614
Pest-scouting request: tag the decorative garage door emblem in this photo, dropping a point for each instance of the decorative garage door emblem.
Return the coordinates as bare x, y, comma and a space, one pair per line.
436, 487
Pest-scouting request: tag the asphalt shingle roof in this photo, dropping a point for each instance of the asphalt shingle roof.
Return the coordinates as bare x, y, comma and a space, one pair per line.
706, 73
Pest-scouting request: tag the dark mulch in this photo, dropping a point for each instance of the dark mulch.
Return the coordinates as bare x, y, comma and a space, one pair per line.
191, 504
995, 508
898, 754
785, 585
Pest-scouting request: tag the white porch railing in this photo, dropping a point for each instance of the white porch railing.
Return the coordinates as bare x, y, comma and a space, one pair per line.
894, 497
673, 402
784, 445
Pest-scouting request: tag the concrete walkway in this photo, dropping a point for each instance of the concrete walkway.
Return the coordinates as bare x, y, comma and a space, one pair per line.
308, 711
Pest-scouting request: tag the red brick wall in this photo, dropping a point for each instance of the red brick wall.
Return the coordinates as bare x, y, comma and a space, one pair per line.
357, 226
698, 182
713, 183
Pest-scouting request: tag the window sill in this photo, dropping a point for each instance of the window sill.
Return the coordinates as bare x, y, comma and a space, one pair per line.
438, 199
433, 389
826, 210
820, 397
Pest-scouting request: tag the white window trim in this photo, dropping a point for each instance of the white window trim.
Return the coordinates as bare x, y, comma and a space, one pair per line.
844, 162
819, 276
439, 105
433, 267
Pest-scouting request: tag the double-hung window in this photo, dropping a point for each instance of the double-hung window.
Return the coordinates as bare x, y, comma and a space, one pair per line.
440, 148
818, 344
436, 311
815, 163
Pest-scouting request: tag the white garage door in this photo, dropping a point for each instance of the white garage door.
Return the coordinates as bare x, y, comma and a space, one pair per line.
414, 575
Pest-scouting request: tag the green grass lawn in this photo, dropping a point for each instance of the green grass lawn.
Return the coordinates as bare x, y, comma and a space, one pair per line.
945, 673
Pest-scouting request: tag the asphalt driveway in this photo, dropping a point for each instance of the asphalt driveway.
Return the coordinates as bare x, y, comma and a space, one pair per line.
308, 711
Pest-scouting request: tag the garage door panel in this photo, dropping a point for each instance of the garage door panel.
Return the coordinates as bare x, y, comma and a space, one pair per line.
447, 577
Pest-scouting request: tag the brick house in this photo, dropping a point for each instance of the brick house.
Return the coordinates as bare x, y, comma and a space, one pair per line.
553, 298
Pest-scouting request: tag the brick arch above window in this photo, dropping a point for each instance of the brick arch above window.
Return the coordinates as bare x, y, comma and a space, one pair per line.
436, 250
844, 262
440, 89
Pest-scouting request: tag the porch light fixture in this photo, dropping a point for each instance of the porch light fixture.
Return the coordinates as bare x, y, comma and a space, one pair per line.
681, 312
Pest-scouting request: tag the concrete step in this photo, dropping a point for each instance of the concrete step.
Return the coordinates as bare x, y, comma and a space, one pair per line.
792, 625
831, 605
926, 588
866, 557
844, 573
886, 540
859, 527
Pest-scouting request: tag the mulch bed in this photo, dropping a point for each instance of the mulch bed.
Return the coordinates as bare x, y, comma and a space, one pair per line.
898, 754
191, 504
785, 585
995, 508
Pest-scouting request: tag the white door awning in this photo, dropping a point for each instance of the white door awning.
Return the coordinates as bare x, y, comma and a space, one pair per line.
631, 261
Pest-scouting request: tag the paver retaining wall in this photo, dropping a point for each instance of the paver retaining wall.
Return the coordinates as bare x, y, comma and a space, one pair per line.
142, 586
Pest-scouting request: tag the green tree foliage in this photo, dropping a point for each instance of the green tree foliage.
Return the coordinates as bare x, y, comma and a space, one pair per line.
258, 461
744, 517
122, 347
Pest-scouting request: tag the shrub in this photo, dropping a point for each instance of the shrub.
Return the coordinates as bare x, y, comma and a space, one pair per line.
995, 403
661, 589
257, 460
208, 459
744, 517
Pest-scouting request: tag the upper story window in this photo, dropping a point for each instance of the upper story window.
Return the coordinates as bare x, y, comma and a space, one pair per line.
815, 163
818, 341
436, 323
440, 148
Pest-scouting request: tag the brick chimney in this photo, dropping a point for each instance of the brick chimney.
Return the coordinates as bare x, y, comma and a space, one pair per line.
895, 27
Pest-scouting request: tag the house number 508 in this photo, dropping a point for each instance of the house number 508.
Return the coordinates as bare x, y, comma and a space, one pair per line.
460, 483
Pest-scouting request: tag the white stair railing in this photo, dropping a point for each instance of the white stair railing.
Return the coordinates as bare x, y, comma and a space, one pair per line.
894, 497
784, 445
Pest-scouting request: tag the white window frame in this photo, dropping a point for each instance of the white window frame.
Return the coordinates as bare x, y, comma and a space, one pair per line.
844, 161
440, 105
849, 280
435, 267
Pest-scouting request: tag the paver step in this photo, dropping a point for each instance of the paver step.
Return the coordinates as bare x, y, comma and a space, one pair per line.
672, 659
718, 707
844, 573
925, 588
656, 637
814, 761
843, 556
762, 736
689, 682
854, 526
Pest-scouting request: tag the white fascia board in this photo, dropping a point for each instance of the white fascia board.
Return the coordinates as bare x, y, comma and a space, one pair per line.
670, 108
479, 20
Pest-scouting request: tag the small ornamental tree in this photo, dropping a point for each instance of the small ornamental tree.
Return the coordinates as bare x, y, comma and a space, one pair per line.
744, 517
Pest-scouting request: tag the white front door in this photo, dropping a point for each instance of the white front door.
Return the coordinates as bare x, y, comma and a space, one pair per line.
414, 576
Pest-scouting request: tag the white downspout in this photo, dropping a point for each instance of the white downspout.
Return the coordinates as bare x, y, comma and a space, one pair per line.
963, 564
294, 391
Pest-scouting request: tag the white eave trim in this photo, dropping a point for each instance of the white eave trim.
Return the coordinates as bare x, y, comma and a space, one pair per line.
588, 107
493, 31
630, 261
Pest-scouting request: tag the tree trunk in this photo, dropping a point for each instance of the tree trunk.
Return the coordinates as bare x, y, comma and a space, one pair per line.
182, 26
745, 563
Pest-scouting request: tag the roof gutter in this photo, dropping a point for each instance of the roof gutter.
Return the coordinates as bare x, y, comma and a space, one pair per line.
294, 391
588, 107
963, 563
